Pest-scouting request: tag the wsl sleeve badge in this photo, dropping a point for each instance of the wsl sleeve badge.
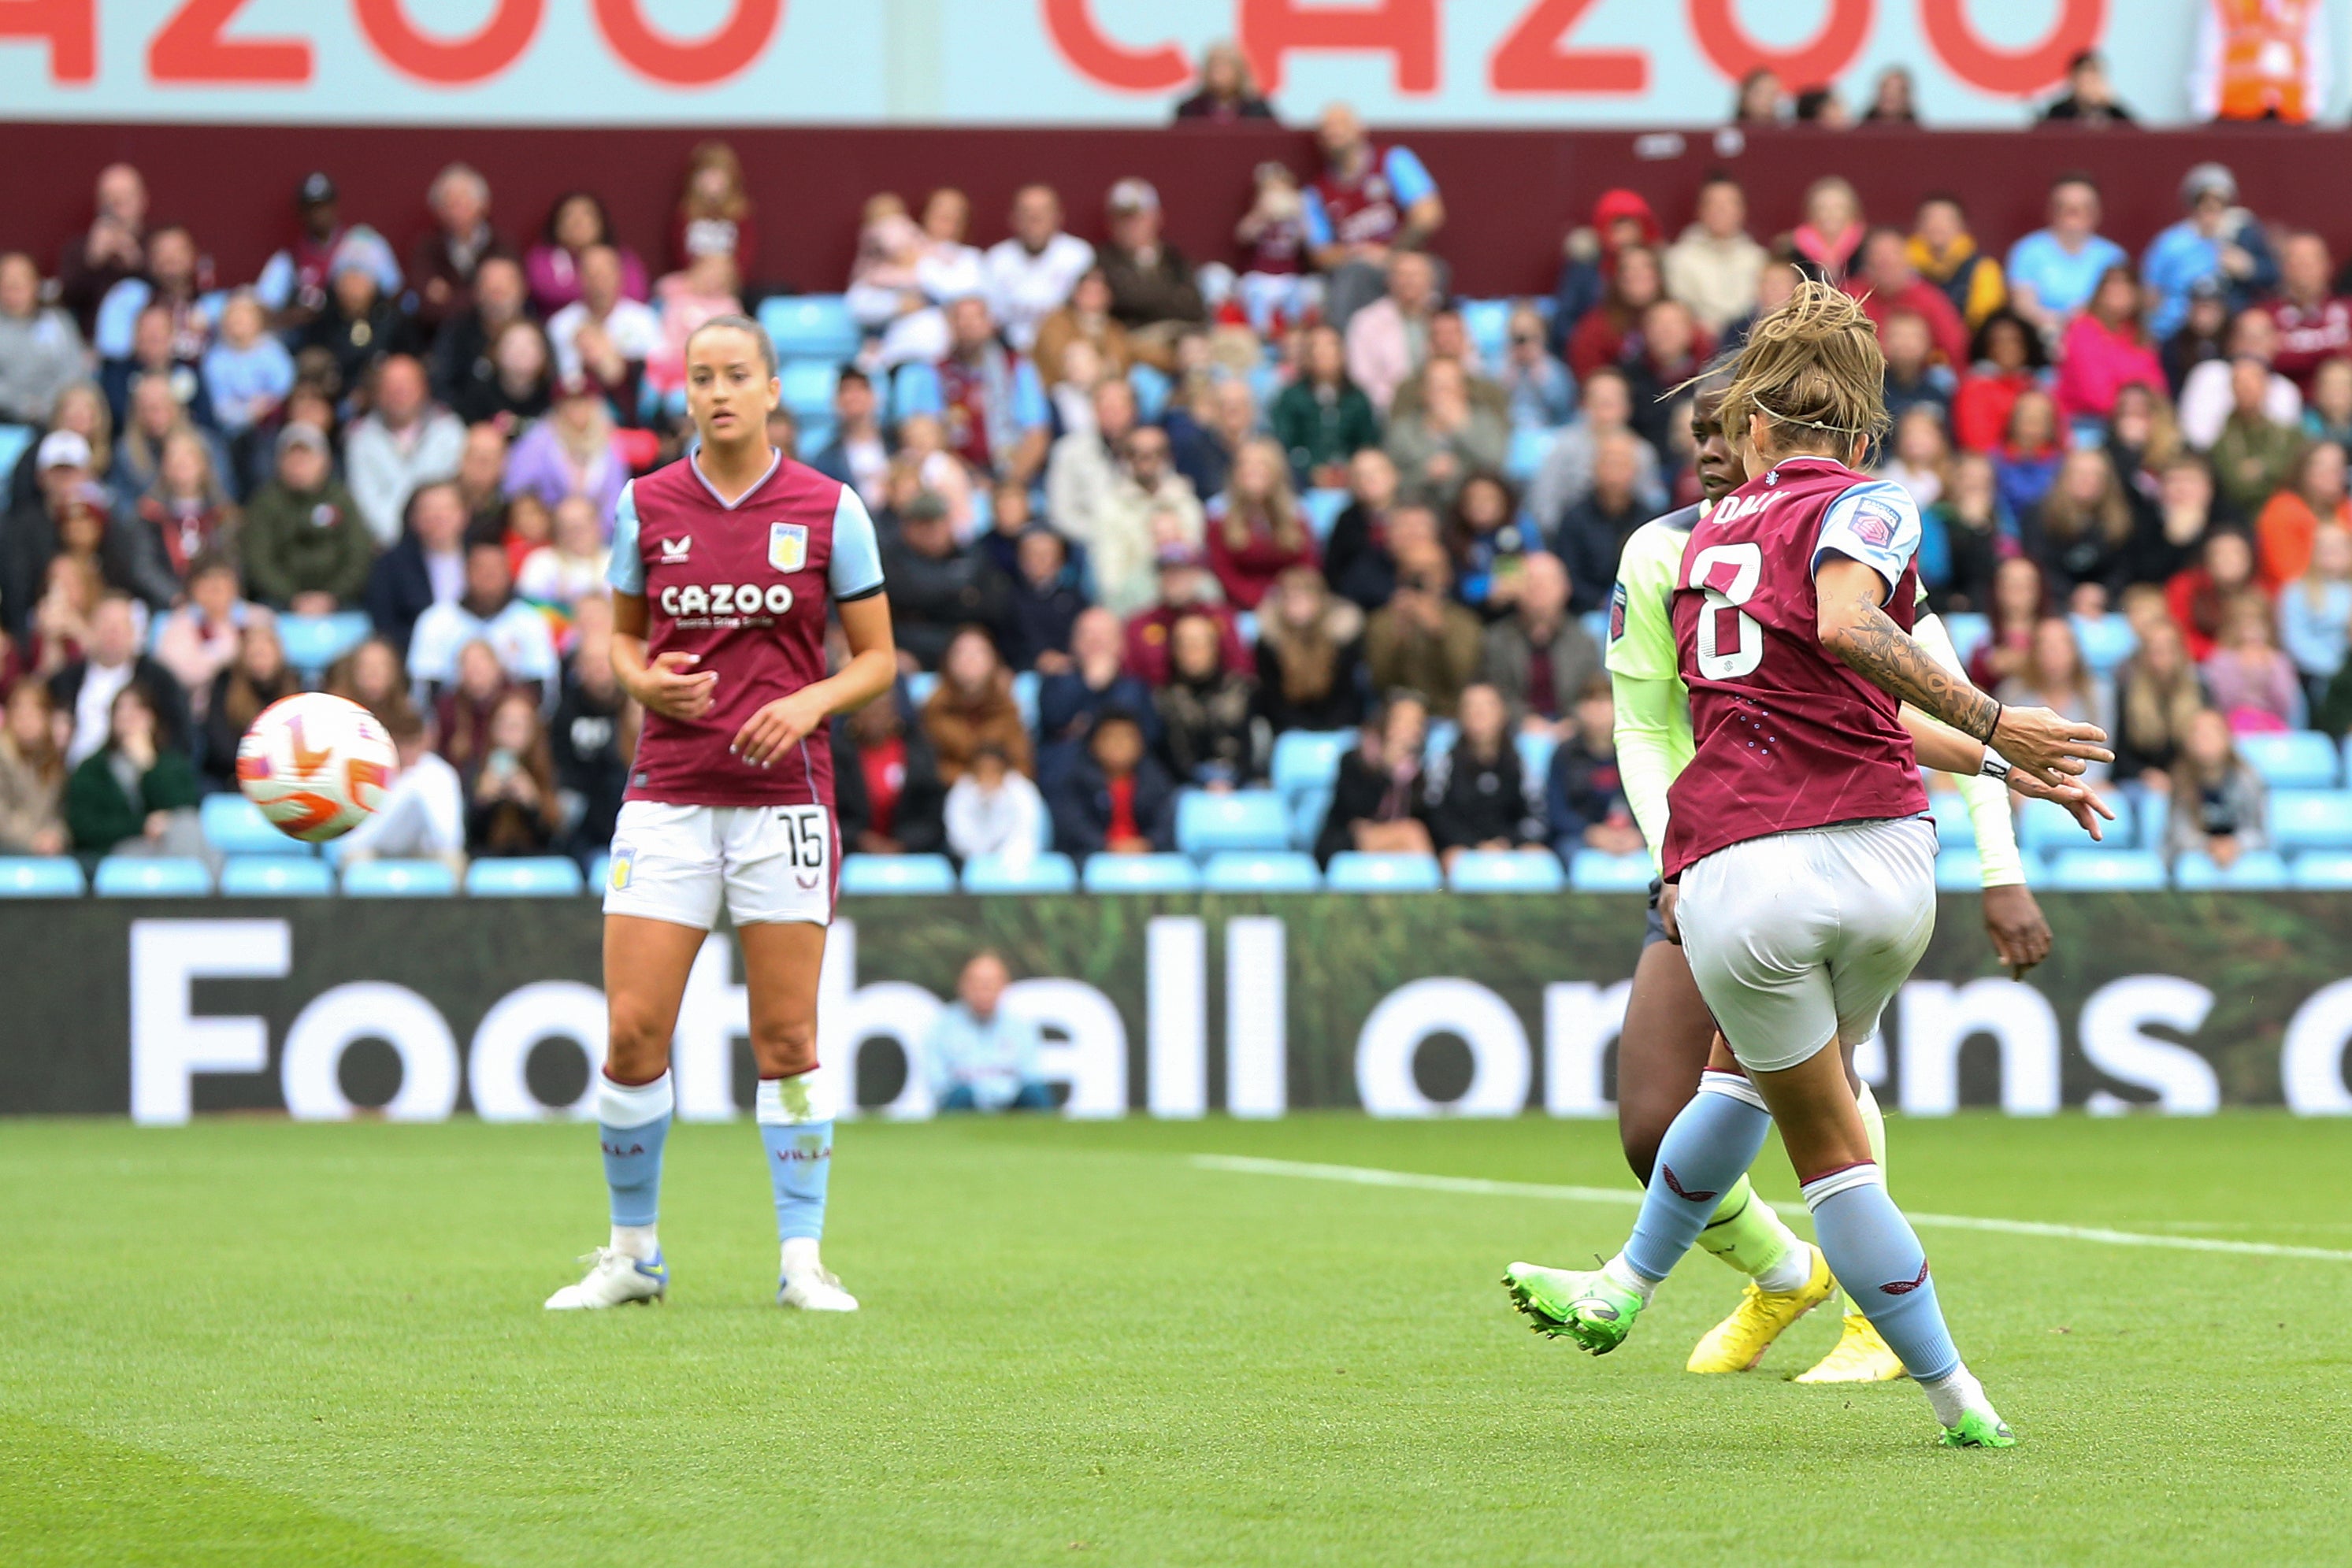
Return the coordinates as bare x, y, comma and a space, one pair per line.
788, 546
1617, 614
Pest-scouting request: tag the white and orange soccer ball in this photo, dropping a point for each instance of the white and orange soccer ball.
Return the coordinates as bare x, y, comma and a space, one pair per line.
316, 763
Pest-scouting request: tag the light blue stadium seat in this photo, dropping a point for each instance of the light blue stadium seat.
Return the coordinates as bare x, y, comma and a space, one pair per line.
984, 511
1530, 446
1246, 627
525, 876
1485, 871
40, 876
1141, 874
1443, 733
1323, 505
276, 876
152, 876
2151, 814
2292, 760
1596, 626
599, 870
919, 687
1970, 632
1247, 871
1235, 819
817, 433
1308, 758
1954, 829
864, 875
1352, 870
807, 386
1152, 388
2106, 641
314, 642
2256, 870
2045, 825
1024, 698
1488, 323
810, 326
399, 879
1594, 872
1308, 811
235, 826
2097, 870
2322, 870
2311, 818
1957, 871
14, 439
1535, 746
1048, 873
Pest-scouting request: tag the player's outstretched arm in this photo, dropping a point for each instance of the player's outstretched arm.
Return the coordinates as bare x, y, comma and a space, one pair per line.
873, 665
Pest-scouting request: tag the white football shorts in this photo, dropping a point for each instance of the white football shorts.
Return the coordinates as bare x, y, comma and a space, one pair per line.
1802, 938
770, 862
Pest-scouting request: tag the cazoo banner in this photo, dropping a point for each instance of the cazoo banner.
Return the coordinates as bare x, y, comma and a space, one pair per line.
1400, 1005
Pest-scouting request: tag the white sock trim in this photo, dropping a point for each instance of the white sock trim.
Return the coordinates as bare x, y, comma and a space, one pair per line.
634, 1105
1731, 1085
1822, 1188
802, 1098
1793, 1272
1631, 1278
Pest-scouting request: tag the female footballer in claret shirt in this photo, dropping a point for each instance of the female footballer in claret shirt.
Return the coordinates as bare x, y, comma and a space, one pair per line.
726, 565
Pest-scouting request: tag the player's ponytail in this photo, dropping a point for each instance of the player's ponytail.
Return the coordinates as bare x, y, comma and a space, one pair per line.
1813, 369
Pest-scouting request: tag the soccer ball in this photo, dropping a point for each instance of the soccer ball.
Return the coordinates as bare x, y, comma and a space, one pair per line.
316, 765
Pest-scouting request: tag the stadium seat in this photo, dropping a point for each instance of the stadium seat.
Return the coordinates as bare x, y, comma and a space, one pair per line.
1596, 626
865, 874
919, 687
2322, 870
1443, 734
1024, 698
41, 877
1141, 874
1323, 505
2256, 870
276, 876
1031, 873
14, 439
1246, 627
526, 876
152, 876
1970, 632
1308, 759
235, 826
2099, 870
817, 430
1535, 746
1594, 872
1530, 446
600, 868
2292, 760
1484, 871
1955, 828
2106, 641
2045, 825
1489, 322
1352, 870
1958, 870
810, 326
1247, 871
1152, 389
2311, 818
1234, 820
314, 642
1307, 814
807, 386
399, 879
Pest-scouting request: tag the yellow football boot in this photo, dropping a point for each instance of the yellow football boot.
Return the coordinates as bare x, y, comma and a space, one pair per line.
1859, 1356
1740, 1341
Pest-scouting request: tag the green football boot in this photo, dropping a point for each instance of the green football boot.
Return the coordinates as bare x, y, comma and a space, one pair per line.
1979, 1431
1589, 1308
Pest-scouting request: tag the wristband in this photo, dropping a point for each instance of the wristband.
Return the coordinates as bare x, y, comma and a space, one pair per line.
1994, 766
1994, 727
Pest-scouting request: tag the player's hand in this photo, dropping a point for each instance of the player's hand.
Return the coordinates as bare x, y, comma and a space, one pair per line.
1668, 896
2040, 743
776, 728
674, 689
2081, 802
2020, 934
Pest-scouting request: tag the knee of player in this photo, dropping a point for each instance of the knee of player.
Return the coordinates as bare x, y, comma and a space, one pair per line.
787, 1043
634, 1033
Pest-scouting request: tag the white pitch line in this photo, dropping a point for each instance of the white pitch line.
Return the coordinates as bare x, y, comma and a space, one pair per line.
1366, 1176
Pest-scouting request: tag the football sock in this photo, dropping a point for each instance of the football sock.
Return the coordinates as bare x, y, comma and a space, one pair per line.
795, 1117
632, 1125
1704, 1154
1749, 1236
1877, 1257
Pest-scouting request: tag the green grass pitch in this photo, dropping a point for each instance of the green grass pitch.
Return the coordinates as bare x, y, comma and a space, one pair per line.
249, 1341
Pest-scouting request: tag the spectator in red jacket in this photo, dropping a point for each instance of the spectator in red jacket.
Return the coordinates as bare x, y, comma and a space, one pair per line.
1186, 588
2006, 358
1887, 282
2315, 323
1601, 338
1255, 530
2107, 349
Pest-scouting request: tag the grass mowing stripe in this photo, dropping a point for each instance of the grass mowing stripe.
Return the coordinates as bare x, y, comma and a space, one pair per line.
1365, 1176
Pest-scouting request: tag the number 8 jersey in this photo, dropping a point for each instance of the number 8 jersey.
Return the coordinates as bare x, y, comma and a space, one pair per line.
1785, 736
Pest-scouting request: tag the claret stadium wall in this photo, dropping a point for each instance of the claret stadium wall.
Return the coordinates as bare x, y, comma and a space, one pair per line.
1403, 1005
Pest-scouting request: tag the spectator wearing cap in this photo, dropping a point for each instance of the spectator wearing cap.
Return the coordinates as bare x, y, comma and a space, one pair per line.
2090, 98
1032, 271
1714, 266
293, 281
858, 455
1186, 587
1621, 220
174, 281
2053, 271
403, 441
360, 323
487, 612
1388, 338
1368, 202
112, 248
305, 544
605, 337
41, 350
1887, 282
2219, 241
2315, 323
2210, 391
1945, 254
28, 541
937, 585
2266, 61
443, 264
989, 400
1152, 291
80, 408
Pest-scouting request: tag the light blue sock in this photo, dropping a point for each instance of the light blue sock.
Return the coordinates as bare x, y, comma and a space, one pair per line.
1707, 1150
632, 1125
1877, 1257
796, 1129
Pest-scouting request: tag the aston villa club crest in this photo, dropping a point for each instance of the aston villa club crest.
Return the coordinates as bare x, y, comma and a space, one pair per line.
788, 546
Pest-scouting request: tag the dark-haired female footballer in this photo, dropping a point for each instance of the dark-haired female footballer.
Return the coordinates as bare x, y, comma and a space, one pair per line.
725, 566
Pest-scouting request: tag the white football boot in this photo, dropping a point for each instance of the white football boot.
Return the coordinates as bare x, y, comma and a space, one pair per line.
807, 1284
615, 1280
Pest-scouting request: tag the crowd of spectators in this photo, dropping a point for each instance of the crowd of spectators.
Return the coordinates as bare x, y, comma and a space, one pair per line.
1141, 512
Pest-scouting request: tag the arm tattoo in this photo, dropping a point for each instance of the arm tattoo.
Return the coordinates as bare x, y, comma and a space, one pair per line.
1884, 654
